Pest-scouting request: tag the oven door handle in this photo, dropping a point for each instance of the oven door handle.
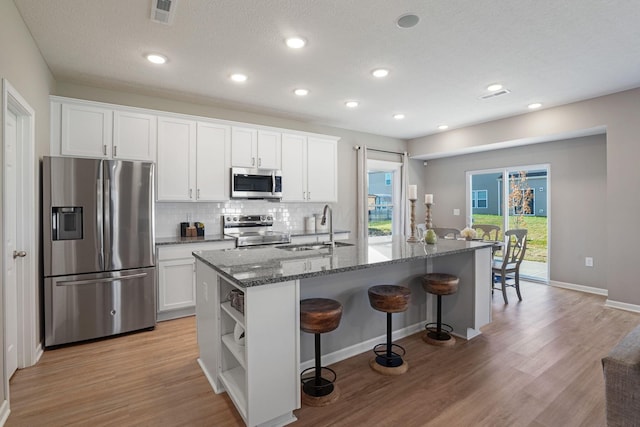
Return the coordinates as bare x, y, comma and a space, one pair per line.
105, 280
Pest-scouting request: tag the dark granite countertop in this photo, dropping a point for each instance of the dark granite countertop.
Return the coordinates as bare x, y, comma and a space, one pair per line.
177, 240
265, 265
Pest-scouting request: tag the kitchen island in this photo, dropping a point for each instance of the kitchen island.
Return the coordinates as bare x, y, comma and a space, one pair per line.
260, 371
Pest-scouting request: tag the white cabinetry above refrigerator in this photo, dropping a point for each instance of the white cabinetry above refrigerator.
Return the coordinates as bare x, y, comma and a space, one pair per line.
86, 129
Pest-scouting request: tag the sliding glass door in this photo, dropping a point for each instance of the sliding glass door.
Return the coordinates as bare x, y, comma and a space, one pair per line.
515, 197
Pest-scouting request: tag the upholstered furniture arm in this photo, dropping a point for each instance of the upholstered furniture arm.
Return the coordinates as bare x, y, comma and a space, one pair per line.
622, 381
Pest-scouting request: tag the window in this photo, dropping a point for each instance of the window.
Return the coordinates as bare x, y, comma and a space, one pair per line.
387, 178
479, 199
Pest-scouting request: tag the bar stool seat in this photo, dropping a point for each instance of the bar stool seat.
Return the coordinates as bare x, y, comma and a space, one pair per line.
389, 299
319, 316
439, 284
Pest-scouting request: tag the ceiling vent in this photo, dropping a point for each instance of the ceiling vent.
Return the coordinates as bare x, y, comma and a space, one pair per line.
497, 93
163, 11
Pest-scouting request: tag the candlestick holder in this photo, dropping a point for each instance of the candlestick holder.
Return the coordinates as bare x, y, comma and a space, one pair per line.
413, 238
430, 236
427, 216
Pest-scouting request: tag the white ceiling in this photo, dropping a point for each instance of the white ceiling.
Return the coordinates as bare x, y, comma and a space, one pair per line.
547, 51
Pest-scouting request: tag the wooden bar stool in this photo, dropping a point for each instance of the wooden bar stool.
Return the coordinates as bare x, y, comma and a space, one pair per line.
440, 284
318, 316
389, 299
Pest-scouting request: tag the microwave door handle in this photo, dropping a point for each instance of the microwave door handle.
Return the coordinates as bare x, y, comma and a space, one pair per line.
273, 183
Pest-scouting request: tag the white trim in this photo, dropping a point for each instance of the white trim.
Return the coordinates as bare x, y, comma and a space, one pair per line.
4, 412
345, 353
29, 346
580, 288
217, 388
622, 306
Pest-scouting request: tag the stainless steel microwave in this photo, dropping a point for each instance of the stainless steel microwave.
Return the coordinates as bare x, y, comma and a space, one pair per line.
256, 183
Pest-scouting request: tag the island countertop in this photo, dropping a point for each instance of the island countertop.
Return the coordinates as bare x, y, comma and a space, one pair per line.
265, 265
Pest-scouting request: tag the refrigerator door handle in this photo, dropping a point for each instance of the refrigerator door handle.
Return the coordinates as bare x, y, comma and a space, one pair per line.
107, 224
99, 221
106, 280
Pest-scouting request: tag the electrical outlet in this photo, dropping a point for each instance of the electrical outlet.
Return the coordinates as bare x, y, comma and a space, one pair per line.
588, 261
456, 212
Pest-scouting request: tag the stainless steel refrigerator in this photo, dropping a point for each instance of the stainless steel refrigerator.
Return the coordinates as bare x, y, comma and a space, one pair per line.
98, 248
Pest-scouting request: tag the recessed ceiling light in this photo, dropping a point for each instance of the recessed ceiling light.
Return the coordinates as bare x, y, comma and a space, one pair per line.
296, 42
534, 105
443, 127
351, 104
156, 58
239, 78
398, 116
301, 92
407, 20
494, 87
380, 72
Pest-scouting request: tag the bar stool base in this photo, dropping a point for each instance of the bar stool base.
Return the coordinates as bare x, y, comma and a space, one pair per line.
442, 340
389, 370
318, 401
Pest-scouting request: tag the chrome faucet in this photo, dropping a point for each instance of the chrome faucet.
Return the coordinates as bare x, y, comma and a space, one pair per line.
324, 221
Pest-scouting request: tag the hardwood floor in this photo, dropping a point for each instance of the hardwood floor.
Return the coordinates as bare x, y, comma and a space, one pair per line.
536, 364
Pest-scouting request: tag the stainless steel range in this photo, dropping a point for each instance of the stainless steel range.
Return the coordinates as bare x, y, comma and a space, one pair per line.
253, 230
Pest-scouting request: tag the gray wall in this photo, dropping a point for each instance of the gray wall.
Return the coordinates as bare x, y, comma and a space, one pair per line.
618, 114
22, 65
577, 178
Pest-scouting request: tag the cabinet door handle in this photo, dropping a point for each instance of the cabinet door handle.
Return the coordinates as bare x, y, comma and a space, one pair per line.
253, 161
304, 195
259, 161
104, 149
115, 150
309, 195
190, 192
198, 194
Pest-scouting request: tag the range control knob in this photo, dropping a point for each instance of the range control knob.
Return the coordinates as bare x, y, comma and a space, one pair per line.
269, 218
228, 218
235, 218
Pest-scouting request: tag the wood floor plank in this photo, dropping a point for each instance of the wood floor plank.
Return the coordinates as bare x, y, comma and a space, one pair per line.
537, 364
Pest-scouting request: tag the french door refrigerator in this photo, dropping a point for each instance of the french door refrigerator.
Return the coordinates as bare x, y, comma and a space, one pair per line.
98, 248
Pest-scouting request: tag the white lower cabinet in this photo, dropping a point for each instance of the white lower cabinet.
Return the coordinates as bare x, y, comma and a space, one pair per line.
261, 374
176, 278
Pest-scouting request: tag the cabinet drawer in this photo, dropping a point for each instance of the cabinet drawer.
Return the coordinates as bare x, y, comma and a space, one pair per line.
185, 250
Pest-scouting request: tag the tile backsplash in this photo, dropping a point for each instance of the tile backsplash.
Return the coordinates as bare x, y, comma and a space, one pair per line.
286, 216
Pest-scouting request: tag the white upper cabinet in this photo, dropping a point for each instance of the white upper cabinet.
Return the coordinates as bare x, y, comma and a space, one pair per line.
193, 160
294, 168
90, 130
212, 162
322, 170
244, 143
309, 169
252, 148
176, 174
134, 136
269, 149
86, 131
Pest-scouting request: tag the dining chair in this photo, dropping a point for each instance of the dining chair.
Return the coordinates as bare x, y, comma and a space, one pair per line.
513, 255
487, 231
444, 233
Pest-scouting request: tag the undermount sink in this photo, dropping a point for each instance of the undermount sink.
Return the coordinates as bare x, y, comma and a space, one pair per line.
311, 246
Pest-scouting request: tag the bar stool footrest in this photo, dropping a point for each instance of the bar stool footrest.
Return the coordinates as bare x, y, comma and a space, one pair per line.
392, 360
317, 387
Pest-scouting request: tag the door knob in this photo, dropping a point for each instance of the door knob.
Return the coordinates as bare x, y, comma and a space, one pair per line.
20, 254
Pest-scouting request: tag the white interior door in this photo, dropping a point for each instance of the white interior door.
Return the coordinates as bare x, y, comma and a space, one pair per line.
10, 282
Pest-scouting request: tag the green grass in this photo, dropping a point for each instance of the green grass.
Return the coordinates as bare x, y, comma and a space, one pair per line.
536, 234
380, 228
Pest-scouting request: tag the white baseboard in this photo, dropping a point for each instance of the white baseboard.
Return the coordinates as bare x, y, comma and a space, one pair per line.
581, 288
622, 306
175, 314
39, 353
368, 345
4, 412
